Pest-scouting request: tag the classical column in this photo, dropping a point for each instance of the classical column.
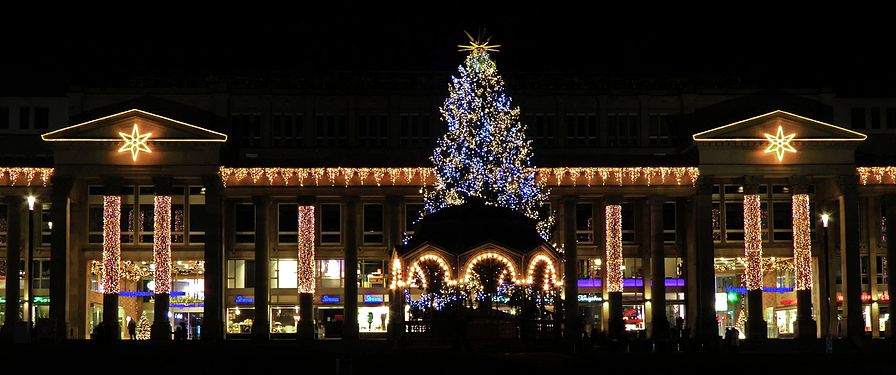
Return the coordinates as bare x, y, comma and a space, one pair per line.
161, 254
756, 327
890, 212
658, 269
59, 214
212, 312
802, 256
849, 255
111, 257
614, 267
14, 214
570, 284
350, 289
305, 269
261, 327
706, 328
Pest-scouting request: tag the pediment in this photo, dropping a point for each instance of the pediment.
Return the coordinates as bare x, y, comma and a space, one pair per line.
755, 129
110, 128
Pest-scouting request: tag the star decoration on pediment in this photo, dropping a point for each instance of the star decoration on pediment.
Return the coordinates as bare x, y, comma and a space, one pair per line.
780, 143
135, 142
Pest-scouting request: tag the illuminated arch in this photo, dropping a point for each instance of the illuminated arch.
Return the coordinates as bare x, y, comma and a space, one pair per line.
468, 270
550, 272
416, 270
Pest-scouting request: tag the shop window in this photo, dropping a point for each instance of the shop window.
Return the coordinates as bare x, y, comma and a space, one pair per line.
240, 319
633, 316
632, 268
589, 268
372, 273
287, 129
373, 129
240, 273
584, 223
284, 273
244, 223
411, 215
284, 319
287, 223
330, 273
784, 279
196, 215
582, 129
373, 318
330, 224
413, 129
670, 217
674, 267
373, 223
628, 223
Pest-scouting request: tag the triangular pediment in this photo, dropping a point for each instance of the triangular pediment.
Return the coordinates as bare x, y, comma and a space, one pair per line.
804, 129
110, 128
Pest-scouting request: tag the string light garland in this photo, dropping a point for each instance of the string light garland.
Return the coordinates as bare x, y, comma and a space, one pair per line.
802, 242
753, 242
305, 266
550, 272
111, 243
415, 270
397, 281
27, 175
876, 175
768, 264
614, 247
469, 273
162, 244
620, 176
133, 271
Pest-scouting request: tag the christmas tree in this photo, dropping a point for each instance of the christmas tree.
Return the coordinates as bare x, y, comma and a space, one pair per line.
485, 153
143, 327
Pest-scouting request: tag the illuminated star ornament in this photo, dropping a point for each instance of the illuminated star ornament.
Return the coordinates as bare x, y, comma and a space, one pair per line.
476, 44
135, 142
779, 143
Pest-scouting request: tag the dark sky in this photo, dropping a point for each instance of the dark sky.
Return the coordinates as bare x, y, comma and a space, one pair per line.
766, 44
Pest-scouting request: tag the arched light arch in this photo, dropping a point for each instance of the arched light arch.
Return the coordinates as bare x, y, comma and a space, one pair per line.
415, 269
550, 272
468, 270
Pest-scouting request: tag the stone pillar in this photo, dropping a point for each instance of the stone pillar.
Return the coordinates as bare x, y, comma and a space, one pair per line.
849, 255
706, 327
111, 257
15, 212
350, 289
658, 269
802, 254
59, 240
613, 245
890, 212
212, 312
161, 326
570, 280
756, 327
261, 329
306, 282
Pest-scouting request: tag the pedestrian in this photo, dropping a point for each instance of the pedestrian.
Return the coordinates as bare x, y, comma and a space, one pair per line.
180, 333
132, 329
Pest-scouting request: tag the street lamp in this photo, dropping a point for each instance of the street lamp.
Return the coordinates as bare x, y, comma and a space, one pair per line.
30, 265
828, 343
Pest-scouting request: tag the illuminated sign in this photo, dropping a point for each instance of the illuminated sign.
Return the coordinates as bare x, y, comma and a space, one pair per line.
590, 298
329, 298
244, 300
374, 298
147, 294
779, 143
41, 300
134, 142
767, 289
186, 305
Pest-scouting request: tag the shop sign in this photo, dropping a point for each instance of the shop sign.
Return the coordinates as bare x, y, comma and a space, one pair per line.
788, 301
41, 300
186, 305
374, 298
330, 298
590, 298
767, 289
148, 294
244, 300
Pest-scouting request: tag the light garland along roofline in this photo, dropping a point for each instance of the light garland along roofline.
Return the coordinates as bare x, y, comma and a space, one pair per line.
24, 176
877, 175
421, 176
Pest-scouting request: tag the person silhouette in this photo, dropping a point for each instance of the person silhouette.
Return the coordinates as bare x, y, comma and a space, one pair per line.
132, 329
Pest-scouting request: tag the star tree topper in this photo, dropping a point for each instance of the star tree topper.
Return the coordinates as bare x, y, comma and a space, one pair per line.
779, 143
477, 44
135, 142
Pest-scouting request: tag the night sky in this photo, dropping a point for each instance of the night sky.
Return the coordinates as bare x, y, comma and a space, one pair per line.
768, 46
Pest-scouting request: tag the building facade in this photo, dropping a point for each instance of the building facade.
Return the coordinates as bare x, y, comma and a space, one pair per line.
708, 186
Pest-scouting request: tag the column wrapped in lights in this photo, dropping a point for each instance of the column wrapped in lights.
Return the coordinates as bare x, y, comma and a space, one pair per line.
162, 245
753, 242
802, 241
305, 268
111, 243
614, 247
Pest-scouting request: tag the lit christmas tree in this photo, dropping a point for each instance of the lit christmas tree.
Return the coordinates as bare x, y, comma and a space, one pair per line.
485, 153
143, 327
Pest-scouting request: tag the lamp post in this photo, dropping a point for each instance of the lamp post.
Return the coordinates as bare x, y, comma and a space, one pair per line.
828, 343
30, 265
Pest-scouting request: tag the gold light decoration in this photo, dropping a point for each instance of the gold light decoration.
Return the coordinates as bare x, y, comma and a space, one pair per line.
647, 176
162, 244
550, 272
469, 273
134, 142
753, 242
111, 243
478, 45
397, 282
28, 174
780, 143
802, 242
876, 175
415, 270
305, 267
614, 247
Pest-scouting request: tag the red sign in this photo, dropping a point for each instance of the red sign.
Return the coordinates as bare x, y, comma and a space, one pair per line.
789, 301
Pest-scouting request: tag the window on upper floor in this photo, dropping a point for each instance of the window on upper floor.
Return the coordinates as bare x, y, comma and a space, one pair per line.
41, 117
628, 223
330, 224
373, 223
4, 117
287, 223
373, 129
287, 129
411, 215
542, 130
875, 117
582, 129
623, 129
857, 117
24, 117
330, 130
890, 113
413, 129
669, 222
584, 223
244, 223
660, 131
246, 129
